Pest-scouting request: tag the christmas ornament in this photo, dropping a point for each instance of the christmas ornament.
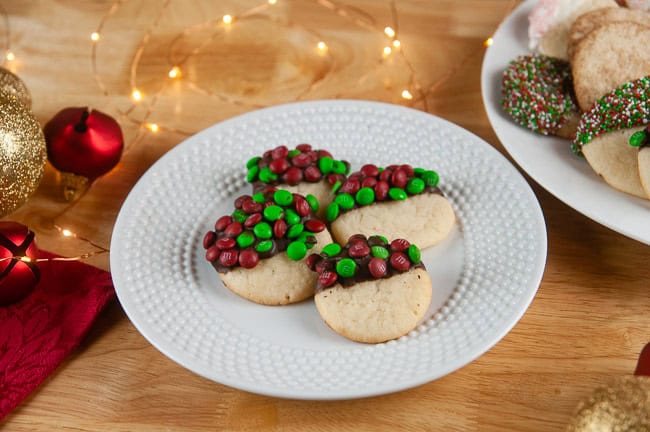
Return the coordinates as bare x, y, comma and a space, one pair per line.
83, 145
22, 154
12, 85
623, 405
19, 273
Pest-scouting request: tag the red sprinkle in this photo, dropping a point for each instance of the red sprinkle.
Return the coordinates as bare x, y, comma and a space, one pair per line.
293, 176
228, 258
377, 267
279, 228
312, 174
399, 261
327, 278
226, 243
234, 229
209, 239
222, 223
248, 258
212, 254
315, 226
253, 220
399, 245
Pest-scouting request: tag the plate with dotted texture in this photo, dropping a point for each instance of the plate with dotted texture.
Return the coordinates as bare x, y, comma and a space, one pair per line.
549, 160
484, 275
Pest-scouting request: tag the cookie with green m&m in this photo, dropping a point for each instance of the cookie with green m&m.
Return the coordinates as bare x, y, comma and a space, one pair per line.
399, 201
303, 170
371, 289
641, 140
259, 249
604, 133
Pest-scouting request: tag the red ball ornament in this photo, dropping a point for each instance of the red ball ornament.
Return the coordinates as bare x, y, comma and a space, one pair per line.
83, 145
19, 273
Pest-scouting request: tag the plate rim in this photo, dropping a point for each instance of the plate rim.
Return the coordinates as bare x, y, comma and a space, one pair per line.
525, 165
149, 334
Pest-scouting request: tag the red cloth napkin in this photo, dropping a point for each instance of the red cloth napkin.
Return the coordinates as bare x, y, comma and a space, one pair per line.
38, 332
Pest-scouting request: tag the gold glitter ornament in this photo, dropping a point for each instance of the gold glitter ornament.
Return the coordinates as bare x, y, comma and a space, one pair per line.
12, 85
622, 406
22, 154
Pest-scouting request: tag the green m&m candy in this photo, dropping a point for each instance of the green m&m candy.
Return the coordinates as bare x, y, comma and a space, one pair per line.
296, 250
346, 267
431, 178
345, 201
239, 215
415, 186
414, 254
638, 138
292, 153
313, 202
309, 239
282, 197
397, 194
273, 212
418, 171
325, 164
338, 167
331, 249
332, 212
252, 173
337, 186
291, 217
252, 162
295, 230
245, 239
365, 196
263, 230
264, 246
258, 198
266, 175
379, 252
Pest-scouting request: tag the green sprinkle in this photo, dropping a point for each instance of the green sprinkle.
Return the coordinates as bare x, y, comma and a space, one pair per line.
313, 202
264, 246
291, 217
252, 173
245, 239
337, 186
431, 178
397, 194
345, 201
263, 230
296, 250
239, 215
252, 162
379, 252
293, 153
339, 167
295, 230
638, 138
415, 186
325, 164
267, 176
283, 197
332, 212
331, 249
365, 196
414, 254
273, 213
346, 267
259, 198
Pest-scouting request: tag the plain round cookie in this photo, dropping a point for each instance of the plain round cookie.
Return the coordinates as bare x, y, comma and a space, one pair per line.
322, 190
424, 219
277, 280
616, 161
644, 169
590, 21
377, 310
608, 57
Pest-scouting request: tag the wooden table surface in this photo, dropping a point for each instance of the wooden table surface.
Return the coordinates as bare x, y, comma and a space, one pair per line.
587, 323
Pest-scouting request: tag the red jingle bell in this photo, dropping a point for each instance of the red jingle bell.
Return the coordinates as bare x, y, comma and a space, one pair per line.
83, 145
19, 273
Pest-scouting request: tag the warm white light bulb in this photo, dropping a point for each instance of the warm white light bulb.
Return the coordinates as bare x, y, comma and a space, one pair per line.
407, 95
26, 259
94, 36
174, 72
389, 32
66, 233
397, 43
387, 51
488, 42
136, 95
227, 19
10, 56
322, 46
272, 2
153, 127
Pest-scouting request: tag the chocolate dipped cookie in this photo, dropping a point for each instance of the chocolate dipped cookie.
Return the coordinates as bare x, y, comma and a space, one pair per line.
303, 170
641, 140
371, 290
258, 250
399, 201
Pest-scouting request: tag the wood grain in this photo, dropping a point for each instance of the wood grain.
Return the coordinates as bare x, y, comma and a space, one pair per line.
587, 323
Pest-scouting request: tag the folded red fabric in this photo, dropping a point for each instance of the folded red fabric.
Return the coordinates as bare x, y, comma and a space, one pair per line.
38, 332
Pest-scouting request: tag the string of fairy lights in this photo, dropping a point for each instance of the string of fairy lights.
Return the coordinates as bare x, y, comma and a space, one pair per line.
414, 92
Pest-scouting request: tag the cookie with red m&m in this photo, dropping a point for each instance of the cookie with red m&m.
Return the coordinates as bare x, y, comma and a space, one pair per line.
604, 133
399, 201
538, 94
371, 290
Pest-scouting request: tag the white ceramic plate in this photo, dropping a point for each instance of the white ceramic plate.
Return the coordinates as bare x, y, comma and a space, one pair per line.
549, 160
484, 275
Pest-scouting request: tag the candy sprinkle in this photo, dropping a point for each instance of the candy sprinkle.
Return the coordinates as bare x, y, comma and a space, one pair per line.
536, 93
626, 107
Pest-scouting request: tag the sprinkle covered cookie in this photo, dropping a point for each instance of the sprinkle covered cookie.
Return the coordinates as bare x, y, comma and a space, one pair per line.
399, 200
303, 170
604, 133
371, 290
537, 94
258, 250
